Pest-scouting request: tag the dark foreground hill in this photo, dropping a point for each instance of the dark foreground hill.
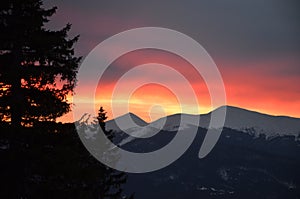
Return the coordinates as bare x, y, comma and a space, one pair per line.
50, 162
240, 166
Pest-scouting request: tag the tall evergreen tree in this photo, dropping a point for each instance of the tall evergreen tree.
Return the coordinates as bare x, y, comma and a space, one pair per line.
113, 178
101, 120
111, 181
37, 66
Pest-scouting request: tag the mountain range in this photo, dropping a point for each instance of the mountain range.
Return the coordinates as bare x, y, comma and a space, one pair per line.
256, 156
236, 118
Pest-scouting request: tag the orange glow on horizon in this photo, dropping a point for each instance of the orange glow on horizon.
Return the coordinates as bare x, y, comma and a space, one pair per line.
248, 85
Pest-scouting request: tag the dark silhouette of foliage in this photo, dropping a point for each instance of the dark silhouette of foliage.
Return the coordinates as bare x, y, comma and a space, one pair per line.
37, 66
101, 120
49, 161
37, 72
114, 178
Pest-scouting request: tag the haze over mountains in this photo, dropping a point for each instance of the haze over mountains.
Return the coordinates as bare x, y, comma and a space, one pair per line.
236, 118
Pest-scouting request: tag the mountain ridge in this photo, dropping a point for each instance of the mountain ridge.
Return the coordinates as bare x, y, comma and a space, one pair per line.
202, 114
236, 118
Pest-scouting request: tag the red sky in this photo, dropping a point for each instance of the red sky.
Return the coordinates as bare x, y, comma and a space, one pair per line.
248, 85
255, 45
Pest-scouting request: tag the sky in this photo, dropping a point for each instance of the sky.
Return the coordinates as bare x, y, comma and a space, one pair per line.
255, 45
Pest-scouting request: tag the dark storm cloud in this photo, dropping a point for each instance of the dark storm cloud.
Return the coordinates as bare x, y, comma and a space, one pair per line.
232, 29
255, 43
234, 32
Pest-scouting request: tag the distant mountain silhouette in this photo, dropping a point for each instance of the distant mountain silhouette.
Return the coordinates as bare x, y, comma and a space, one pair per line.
256, 156
127, 121
236, 118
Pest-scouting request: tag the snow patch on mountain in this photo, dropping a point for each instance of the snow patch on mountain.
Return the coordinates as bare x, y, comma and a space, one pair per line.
124, 122
259, 123
236, 118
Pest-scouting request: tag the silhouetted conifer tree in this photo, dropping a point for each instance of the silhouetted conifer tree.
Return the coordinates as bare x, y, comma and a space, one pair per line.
37, 66
113, 179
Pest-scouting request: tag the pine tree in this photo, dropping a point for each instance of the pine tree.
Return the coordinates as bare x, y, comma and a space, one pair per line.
37, 66
101, 120
113, 178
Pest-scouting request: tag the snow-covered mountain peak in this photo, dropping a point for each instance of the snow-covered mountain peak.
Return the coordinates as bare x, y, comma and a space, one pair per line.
126, 121
236, 118
258, 123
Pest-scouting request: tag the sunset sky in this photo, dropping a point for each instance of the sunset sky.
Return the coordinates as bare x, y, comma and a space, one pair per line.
255, 45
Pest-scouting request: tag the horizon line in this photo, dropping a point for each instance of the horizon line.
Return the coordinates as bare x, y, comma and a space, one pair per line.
213, 109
